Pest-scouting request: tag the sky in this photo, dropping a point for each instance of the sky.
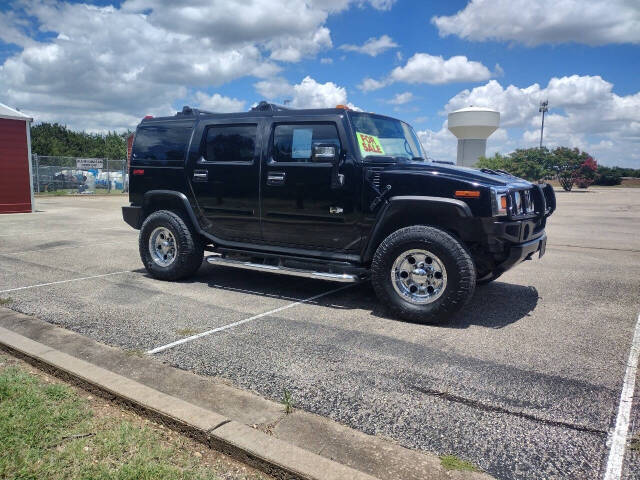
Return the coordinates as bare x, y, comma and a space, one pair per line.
101, 65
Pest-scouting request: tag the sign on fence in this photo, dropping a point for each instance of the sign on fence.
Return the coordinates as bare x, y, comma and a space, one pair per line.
88, 163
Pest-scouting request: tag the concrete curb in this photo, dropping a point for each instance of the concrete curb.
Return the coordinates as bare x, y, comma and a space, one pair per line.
258, 449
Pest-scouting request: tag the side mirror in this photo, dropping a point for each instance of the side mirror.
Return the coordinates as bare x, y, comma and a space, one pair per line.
324, 153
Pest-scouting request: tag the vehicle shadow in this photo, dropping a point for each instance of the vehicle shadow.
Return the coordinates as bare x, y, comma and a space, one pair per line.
495, 305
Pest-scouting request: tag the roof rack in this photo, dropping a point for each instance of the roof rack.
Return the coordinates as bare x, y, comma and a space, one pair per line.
269, 107
187, 110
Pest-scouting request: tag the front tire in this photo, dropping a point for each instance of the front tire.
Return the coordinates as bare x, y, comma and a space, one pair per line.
169, 248
423, 274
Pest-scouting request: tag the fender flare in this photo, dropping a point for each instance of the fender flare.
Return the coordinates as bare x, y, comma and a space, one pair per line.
173, 195
437, 211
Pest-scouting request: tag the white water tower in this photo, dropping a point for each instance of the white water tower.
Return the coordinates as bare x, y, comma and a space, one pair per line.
472, 126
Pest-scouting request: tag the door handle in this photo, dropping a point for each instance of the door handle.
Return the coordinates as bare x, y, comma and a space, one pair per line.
276, 178
200, 175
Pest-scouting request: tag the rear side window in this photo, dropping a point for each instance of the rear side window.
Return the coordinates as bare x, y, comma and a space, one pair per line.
161, 144
294, 142
230, 143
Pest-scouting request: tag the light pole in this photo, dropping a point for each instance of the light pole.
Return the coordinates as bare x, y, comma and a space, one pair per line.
544, 107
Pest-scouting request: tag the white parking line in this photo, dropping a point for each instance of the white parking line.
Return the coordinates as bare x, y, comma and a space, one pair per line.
64, 281
240, 322
618, 437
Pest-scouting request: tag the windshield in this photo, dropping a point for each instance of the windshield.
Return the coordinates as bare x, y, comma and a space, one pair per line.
385, 137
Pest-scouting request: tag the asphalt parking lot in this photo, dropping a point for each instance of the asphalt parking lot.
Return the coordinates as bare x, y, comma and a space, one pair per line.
524, 382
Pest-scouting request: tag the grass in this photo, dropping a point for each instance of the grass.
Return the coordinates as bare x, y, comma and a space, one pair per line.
135, 352
5, 300
186, 332
451, 462
287, 401
48, 430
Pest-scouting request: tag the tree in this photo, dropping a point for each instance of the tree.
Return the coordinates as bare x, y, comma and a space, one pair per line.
586, 173
497, 162
608, 176
568, 163
530, 163
570, 166
53, 139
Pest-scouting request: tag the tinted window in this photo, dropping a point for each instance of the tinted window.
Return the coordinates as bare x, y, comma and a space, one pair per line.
161, 143
230, 143
293, 143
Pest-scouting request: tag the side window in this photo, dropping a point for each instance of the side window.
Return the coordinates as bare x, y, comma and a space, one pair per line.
230, 143
294, 142
161, 143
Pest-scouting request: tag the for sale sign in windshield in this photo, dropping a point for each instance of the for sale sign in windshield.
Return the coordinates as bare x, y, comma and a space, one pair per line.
369, 144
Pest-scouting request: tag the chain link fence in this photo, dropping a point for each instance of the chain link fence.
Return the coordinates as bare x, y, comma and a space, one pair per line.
72, 175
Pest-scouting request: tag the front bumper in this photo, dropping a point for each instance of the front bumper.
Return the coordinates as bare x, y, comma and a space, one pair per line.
523, 251
132, 215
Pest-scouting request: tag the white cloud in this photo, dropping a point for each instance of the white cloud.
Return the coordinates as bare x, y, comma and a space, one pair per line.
370, 84
326, 60
101, 68
431, 69
401, 98
229, 22
438, 145
218, 103
108, 67
311, 94
584, 113
294, 48
339, 5
12, 29
545, 21
435, 70
273, 88
373, 46
381, 4
306, 94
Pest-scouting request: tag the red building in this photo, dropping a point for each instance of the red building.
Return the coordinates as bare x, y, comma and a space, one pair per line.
16, 186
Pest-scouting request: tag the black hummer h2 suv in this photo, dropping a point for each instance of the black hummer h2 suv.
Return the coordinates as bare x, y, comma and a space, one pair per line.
331, 194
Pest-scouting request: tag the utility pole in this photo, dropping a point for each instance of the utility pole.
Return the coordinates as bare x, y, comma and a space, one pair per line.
544, 107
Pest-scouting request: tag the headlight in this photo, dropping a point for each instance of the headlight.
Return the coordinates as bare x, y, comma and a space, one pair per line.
528, 202
518, 200
499, 201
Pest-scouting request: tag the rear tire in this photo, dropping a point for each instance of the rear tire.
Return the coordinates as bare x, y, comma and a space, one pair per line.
170, 248
423, 274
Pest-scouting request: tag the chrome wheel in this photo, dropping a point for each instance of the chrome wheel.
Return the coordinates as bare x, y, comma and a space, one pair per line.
162, 247
419, 276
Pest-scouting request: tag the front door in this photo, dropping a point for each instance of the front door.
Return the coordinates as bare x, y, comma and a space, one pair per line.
302, 203
224, 174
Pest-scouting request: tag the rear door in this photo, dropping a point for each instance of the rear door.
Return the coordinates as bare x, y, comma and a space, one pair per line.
301, 205
223, 170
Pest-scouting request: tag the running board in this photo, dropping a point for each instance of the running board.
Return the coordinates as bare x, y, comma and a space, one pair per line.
296, 272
